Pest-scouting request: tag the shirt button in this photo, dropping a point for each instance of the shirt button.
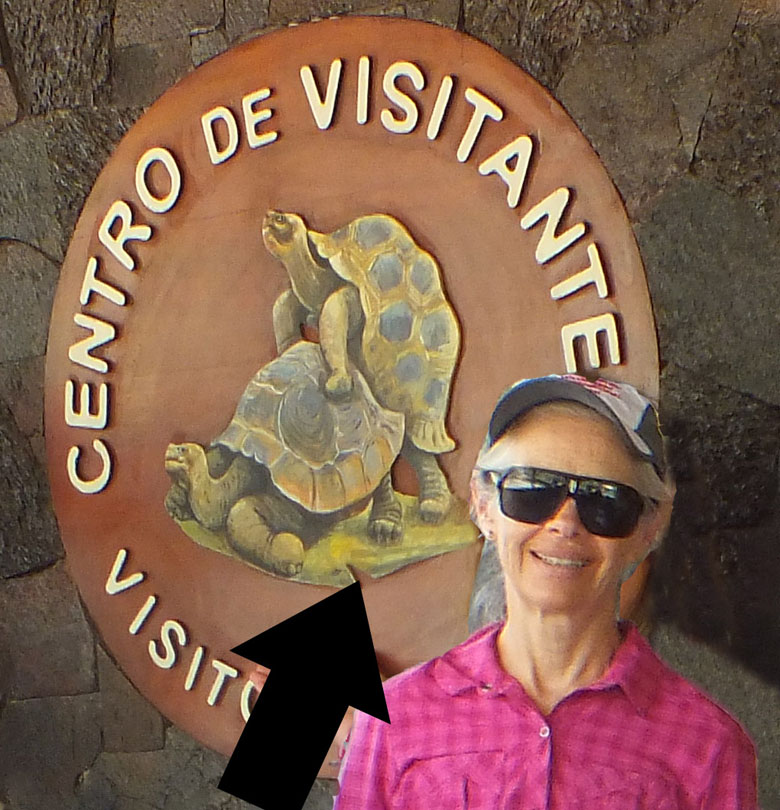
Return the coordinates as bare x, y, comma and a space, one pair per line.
486, 687
544, 732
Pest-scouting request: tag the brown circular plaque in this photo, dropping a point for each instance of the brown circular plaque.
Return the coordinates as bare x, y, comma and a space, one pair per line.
455, 232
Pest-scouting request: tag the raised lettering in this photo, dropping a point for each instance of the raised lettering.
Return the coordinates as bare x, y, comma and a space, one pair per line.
170, 628
589, 329
207, 122
158, 205
192, 673
142, 615
120, 211
364, 77
401, 125
114, 585
254, 117
92, 284
101, 333
83, 417
552, 243
518, 153
322, 110
592, 274
223, 671
439, 108
483, 108
93, 485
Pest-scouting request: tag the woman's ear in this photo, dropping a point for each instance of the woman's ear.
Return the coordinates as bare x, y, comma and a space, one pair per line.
482, 504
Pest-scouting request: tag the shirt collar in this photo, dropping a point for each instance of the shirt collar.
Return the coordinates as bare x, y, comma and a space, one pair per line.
474, 665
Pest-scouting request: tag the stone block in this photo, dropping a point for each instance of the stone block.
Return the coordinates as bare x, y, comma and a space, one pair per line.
9, 107
44, 745
79, 145
28, 531
139, 22
243, 16
281, 12
738, 145
59, 50
621, 105
711, 265
52, 648
130, 722
543, 37
21, 388
28, 195
206, 46
143, 72
716, 573
751, 699
443, 12
27, 282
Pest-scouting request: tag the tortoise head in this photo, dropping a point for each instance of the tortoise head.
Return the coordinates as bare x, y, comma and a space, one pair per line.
283, 233
180, 459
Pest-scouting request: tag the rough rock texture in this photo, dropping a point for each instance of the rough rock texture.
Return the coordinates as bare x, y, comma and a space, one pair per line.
738, 146
27, 282
129, 722
243, 16
716, 573
143, 72
182, 772
444, 12
28, 195
542, 36
698, 241
206, 46
60, 51
9, 107
679, 97
45, 744
79, 144
752, 699
28, 531
52, 648
138, 22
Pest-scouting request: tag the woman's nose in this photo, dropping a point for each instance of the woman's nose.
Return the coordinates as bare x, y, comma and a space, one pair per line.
566, 521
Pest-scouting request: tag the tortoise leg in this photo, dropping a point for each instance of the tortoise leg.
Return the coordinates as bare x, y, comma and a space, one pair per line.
339, 319
250, 533
385, 524
434, 499
288, 317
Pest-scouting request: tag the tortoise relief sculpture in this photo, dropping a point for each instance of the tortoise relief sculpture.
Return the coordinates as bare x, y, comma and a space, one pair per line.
299, 483
377, 300
290, 464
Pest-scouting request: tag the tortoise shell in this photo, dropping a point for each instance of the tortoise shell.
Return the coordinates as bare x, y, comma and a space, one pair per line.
321, 453
411, 337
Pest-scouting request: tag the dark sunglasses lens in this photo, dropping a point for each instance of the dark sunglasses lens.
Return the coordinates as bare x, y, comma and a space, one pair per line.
612, 513
531, 504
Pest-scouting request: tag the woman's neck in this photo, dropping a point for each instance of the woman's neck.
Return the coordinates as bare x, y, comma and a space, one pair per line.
553, 655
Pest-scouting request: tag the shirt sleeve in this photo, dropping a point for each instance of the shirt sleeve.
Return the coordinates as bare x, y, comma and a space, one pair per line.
733, 782
366, 771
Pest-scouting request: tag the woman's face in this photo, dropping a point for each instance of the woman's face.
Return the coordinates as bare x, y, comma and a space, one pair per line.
558, 566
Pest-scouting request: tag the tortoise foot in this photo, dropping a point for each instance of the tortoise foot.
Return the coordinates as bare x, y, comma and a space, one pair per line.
177, 503
433, 509
253, 540
338, 385
385, 524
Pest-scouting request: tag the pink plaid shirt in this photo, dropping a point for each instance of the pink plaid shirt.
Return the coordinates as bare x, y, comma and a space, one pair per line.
464, 734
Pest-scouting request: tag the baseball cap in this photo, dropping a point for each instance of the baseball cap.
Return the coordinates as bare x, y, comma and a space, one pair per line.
632, 413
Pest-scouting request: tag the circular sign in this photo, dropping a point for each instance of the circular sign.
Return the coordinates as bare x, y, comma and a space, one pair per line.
292, 297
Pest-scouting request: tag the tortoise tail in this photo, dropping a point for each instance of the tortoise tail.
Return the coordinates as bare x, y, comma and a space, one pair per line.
430, 435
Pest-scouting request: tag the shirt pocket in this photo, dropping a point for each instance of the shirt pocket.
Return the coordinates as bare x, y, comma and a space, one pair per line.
630, 790
467, 780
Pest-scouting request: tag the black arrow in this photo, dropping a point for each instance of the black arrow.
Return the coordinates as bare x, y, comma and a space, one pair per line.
322, 660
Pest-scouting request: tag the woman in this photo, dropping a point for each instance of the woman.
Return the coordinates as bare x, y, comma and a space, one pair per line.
563, 706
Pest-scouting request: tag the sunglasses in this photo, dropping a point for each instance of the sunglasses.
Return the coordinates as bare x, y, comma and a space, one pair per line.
533, 495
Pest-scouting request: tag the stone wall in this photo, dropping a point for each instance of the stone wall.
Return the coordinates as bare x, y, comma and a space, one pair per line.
679, 97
